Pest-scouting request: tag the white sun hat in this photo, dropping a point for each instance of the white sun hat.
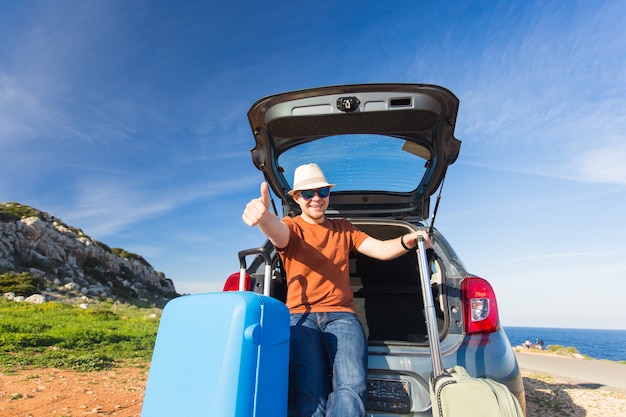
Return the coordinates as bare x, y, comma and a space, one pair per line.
309, 177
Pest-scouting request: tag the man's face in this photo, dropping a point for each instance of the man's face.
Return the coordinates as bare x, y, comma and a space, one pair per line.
313, 204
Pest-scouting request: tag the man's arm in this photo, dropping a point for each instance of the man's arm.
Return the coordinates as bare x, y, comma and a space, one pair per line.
392, 248
257, 213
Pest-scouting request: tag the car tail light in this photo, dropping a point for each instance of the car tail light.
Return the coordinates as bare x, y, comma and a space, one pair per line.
480, 308
232, 282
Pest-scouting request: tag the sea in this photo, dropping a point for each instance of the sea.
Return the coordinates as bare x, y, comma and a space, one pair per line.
597, 344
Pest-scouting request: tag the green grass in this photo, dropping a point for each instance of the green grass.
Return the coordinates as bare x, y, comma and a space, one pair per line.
64, 336
564, 351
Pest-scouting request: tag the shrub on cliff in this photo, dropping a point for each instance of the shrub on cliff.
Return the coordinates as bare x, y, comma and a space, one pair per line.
23, 283
122, 253
16, 211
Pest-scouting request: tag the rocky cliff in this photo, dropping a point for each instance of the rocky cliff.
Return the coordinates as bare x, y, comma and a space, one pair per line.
60, 262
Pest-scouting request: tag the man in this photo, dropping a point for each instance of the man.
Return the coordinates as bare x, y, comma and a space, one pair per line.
326, 335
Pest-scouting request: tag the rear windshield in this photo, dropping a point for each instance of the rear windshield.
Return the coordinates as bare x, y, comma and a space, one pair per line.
362, 162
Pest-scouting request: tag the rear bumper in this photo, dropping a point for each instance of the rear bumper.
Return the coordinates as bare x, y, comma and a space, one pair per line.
483, 355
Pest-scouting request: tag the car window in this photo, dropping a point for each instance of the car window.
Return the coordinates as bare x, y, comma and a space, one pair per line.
362, 162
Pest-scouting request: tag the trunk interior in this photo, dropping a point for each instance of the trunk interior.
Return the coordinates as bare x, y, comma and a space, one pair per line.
387, 294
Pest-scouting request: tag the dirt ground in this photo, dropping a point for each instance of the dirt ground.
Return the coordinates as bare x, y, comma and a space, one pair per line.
119, 392
52, 392
549, 397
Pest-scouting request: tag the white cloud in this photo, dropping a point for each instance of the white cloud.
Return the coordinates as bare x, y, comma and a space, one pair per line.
550, 100
605, 165
105, 207
23, 113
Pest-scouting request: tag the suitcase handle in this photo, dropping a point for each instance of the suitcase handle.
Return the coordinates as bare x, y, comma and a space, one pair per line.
268, 268
429, 307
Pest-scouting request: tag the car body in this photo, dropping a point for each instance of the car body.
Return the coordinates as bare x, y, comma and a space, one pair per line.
387, 147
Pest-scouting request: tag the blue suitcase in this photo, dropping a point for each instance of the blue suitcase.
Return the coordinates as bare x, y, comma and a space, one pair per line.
220, 355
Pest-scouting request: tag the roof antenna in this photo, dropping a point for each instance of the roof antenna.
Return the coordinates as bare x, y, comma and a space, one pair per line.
432, 220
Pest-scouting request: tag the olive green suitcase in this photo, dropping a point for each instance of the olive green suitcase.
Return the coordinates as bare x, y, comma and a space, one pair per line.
456, 393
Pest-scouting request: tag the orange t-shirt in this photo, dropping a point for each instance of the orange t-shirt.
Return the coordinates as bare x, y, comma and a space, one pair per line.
317, 265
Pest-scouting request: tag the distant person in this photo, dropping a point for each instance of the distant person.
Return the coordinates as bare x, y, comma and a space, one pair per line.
326, 335
527, 344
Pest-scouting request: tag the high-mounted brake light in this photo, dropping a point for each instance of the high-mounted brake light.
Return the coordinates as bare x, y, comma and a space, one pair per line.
232, 282
480, 308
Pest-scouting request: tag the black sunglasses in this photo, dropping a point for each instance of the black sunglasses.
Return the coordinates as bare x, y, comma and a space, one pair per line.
309, 194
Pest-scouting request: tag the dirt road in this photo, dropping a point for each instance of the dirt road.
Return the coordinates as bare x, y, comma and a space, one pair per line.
587, 373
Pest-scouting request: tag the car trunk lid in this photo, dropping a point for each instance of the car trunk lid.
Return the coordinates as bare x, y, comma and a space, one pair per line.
386, 146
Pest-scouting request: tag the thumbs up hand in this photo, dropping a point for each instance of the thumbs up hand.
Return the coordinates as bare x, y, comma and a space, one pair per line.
265, 195
257, 209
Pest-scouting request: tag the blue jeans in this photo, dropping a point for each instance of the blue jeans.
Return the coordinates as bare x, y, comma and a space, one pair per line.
327, 365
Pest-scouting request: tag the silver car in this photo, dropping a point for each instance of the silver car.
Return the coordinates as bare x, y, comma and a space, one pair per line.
387, 147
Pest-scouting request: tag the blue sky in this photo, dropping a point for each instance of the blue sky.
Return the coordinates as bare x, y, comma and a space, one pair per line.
128, 120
